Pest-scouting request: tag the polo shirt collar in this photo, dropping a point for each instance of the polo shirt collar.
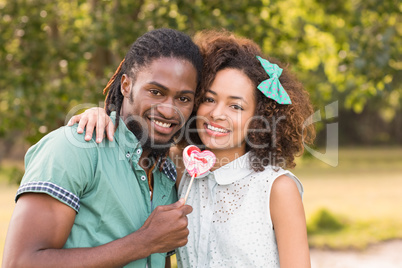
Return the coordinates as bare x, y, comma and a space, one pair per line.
128, 142
234, 171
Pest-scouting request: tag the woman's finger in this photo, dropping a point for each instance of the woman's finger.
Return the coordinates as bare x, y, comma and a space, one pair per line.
90, 125
81, 124
110, 129
74, 119
100, 128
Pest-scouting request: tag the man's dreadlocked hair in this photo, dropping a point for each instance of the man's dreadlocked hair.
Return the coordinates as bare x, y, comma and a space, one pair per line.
153, 45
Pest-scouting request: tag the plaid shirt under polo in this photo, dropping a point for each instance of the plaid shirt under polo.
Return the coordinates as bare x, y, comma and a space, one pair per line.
102, 182
169, 169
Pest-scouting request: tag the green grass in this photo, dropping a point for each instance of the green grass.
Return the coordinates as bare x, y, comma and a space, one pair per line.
7, 193
357, 234
363, 194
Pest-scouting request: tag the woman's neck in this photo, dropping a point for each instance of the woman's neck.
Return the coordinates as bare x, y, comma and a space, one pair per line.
225, 156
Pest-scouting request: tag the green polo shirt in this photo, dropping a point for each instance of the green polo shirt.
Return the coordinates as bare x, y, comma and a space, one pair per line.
102, 182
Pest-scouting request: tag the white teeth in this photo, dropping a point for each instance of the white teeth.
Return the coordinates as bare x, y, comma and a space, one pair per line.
217, 129
166, 125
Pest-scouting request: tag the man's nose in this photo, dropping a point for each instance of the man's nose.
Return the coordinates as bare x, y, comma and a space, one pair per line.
167, 110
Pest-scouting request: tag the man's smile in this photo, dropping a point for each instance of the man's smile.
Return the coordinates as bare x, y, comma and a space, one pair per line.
159, 123
163, 126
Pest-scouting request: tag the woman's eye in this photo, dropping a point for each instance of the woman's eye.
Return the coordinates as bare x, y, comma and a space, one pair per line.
206, 99
237, 107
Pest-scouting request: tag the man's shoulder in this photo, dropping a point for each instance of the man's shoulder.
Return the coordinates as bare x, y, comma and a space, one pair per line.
62, 164
63, 142
67, 136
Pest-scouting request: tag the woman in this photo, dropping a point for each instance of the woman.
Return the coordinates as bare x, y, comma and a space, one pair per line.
247, 212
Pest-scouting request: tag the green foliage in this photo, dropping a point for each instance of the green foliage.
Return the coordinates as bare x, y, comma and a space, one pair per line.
11, 174
324, 221
57, 54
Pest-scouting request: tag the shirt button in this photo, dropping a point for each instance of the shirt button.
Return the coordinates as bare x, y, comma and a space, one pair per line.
128, 155
143, 178
138, 151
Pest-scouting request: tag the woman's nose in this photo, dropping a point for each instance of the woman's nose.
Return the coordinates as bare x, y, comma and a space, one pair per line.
218, 113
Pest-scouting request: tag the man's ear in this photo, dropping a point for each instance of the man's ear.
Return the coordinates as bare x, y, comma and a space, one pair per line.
125, 85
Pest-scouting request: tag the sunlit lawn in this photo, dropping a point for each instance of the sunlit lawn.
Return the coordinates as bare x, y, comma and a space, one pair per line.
364, 192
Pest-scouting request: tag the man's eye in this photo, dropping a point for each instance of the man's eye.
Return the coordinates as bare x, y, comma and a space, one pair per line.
184, 99
155, 92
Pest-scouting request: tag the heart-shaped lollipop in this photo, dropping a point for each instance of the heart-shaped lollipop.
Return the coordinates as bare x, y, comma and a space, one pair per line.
197, 163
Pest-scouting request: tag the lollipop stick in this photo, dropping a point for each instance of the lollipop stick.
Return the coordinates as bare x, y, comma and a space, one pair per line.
189, 187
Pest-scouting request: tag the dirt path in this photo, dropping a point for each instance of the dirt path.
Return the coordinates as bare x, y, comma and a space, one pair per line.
384, 255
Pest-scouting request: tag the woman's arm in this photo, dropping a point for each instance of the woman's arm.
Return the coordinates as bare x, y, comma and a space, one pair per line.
94, 118
97, 118
289, 222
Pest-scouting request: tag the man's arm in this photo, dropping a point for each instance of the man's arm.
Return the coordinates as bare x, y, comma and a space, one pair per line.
40, 226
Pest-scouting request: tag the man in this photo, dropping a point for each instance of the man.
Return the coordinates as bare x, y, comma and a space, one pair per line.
110, 204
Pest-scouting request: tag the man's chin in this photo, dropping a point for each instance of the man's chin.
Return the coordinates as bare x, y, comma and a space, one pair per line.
157, 147
159, 144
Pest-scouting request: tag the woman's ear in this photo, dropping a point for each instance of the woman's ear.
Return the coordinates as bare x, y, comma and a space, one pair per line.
125, 85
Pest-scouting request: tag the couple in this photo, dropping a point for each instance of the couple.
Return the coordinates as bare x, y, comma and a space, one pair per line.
111, 204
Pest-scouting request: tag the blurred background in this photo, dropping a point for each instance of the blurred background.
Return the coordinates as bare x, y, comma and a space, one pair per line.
55, 55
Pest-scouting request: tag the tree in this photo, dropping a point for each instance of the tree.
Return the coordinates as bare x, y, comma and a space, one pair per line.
57, 54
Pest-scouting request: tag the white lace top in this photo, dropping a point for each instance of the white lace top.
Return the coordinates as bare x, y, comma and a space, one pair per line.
230, 225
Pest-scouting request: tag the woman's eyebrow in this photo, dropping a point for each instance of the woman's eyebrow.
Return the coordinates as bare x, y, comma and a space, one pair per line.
231, 97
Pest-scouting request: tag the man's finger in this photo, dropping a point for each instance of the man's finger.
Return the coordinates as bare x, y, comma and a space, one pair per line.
178, 204
175, 205
187, 209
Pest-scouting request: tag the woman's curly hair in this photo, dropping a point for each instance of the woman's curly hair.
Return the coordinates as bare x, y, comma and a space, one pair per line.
282, 130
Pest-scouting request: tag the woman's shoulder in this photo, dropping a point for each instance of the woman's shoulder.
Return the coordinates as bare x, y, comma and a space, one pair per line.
277, 175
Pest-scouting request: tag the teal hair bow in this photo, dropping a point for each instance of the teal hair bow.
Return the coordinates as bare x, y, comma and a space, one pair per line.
271, 87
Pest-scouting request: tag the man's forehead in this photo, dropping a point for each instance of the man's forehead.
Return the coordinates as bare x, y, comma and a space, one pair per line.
169, 72
175, 64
